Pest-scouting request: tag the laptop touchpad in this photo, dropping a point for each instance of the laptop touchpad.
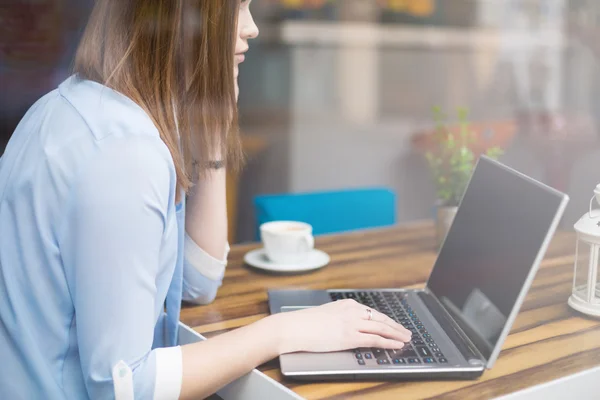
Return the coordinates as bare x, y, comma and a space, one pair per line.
290, 308
293, 300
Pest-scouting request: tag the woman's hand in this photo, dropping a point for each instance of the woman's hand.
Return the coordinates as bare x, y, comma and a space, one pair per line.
337, 326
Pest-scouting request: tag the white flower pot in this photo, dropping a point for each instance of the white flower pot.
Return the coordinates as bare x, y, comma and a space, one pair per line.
444, 217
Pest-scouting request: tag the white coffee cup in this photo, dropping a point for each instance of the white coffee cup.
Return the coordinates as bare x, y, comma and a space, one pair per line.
287, 242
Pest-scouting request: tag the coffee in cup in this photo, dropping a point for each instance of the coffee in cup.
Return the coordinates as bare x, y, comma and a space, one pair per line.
287, 242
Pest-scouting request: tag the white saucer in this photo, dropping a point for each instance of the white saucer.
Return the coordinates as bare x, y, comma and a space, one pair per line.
258, 259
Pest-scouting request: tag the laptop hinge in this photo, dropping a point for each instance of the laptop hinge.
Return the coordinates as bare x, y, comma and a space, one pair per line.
454, 331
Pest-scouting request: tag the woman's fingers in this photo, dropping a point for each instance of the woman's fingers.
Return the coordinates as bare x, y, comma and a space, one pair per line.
384, 330
375, 323
387, 320
370, 340
380, 317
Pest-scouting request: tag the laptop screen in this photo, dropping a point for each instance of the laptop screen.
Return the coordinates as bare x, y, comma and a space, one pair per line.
491, 248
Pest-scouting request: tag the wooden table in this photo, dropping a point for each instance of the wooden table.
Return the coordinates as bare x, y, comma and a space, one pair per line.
548, 339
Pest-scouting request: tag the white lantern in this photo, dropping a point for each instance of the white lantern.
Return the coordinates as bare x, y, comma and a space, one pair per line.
586, 289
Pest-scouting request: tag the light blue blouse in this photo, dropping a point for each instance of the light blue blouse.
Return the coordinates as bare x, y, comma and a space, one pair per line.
92, 246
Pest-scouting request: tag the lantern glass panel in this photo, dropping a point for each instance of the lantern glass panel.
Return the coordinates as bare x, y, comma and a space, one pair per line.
584, 276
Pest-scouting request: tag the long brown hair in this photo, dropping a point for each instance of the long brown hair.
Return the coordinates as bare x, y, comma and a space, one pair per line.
175, 59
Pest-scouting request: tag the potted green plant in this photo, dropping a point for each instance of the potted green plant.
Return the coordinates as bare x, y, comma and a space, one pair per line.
451, 160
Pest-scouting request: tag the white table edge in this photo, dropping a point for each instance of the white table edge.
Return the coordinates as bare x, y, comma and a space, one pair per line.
584, 385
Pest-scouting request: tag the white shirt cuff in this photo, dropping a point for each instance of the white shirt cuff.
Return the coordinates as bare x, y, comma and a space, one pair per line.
203, 262
169, 373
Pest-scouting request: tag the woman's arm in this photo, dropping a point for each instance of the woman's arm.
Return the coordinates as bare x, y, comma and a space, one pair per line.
205, 246
209, 365
110, 243
206, 214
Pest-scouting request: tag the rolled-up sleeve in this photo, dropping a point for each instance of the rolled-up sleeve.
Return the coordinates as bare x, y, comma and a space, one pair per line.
110, 244
202, 273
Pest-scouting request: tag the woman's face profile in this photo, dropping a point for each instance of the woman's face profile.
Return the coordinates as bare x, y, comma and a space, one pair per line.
246, 29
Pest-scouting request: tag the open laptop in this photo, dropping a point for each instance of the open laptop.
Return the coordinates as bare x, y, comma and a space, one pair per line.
479, 281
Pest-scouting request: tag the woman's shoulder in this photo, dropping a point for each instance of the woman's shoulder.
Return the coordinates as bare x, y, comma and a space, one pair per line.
109, 126
83, 125
91, 129
105, 111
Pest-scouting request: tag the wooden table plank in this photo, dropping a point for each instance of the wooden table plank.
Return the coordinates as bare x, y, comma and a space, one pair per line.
548, 339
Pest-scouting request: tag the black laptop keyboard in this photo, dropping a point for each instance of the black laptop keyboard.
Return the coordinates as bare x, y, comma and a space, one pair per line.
422, 349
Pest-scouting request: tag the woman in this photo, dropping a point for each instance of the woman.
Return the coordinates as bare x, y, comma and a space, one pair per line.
98, 244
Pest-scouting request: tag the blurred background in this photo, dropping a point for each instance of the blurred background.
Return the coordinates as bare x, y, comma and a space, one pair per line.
338, 94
